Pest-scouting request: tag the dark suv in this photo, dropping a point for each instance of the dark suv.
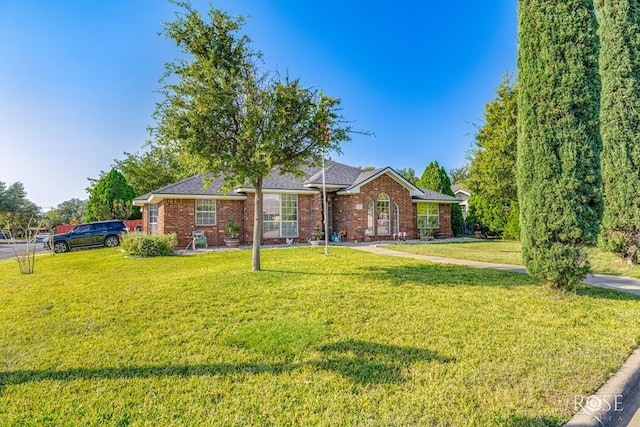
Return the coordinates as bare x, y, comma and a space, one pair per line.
103, 233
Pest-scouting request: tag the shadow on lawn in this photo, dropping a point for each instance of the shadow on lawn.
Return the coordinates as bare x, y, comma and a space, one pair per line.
359, 361
370, 363
439, 274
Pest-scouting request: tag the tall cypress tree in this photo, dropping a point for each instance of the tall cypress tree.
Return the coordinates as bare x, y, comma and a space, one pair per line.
559, 145
620, 116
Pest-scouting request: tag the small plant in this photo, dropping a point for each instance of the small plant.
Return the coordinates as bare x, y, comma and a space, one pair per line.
232, 228
317, 234
25, 251
149, 246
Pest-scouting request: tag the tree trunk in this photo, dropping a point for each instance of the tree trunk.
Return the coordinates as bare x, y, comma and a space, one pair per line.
257, 225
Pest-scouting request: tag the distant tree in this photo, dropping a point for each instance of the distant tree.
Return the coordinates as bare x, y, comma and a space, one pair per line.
409, 174
110, 198
156, 168
492, 170
16, 210
435, 178
66, 211
240, 121
459, 175
558, 166
619, 29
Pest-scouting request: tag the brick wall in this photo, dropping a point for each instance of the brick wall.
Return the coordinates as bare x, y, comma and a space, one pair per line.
179, 216
445, 219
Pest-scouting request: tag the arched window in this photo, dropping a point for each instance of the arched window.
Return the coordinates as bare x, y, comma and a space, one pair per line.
383, 215
370, 230
396, 218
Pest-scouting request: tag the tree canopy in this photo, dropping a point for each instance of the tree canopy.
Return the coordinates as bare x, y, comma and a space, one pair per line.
16, 210
66, 211
492, 168
110, 197
409, 174
239, 120
156, 168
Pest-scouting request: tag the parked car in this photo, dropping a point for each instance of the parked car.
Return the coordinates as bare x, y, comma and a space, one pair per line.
4, 236
41, 237
93, 234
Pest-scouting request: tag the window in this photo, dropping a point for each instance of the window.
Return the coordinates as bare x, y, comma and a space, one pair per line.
428, 216
153, 219
280, 215
370, 230
84, 228
396, 218
382, 215
205, 212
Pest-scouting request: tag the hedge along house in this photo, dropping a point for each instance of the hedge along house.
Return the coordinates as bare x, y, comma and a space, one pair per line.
375, 204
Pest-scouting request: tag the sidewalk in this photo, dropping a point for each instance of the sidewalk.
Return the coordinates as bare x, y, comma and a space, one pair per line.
619, 283
617, 402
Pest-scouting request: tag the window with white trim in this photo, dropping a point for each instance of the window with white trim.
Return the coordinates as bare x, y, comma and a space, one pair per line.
153, 219
396, 218
428, 216
370, 230
280, 215
205, 212
383, 215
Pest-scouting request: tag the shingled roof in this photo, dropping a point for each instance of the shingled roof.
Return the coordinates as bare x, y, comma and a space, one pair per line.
337, 175
434, 196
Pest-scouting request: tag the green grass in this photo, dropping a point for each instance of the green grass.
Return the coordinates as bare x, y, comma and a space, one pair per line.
509, 252
350, 339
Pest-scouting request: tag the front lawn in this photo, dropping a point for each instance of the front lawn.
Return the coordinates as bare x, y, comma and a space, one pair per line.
510, 252
349, 339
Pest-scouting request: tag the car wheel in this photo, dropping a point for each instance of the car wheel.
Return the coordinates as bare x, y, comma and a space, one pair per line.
111, 242
60, 247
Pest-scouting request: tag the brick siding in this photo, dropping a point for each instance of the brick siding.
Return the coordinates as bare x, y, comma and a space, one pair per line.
178, 215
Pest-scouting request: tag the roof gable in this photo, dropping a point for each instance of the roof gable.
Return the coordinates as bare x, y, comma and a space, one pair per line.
368, 176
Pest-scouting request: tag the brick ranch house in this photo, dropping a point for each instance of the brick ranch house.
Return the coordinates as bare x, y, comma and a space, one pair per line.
375, 203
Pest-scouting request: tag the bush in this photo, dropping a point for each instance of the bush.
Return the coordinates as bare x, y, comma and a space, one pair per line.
149, 246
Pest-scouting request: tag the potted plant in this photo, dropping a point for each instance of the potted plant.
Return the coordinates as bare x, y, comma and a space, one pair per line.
232, 228
317, 236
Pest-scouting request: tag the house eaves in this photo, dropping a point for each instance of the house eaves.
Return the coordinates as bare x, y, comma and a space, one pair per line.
276, 191
154, 198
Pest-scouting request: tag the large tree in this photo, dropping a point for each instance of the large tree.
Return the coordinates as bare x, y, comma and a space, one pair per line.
492, 169
156, 167
110, 197
619, 31
241, 121
435, 178
558, 166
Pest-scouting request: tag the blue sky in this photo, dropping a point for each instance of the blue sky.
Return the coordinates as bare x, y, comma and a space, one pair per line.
79, 79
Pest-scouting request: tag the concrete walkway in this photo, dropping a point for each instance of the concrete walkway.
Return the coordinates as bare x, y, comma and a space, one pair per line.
617, 402
620, 283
